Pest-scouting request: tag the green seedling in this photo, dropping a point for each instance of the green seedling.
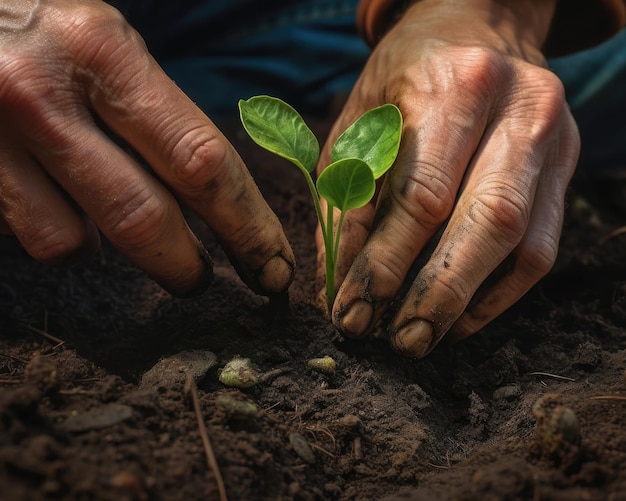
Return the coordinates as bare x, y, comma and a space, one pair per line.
362, 154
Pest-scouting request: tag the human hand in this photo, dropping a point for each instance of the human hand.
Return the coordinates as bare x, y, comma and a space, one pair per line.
73, 70
488, 148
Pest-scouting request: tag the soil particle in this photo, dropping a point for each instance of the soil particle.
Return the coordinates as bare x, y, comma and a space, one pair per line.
173, 370
558, 430
381, 427
101, 417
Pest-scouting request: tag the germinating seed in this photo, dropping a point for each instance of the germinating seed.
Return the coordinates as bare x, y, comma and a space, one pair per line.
239, 373
324, 364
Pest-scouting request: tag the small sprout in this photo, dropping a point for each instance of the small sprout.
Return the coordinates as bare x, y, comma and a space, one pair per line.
324, 364
239, 373
361, 155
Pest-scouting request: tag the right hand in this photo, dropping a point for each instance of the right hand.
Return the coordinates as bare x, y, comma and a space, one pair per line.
488, 148
70, 72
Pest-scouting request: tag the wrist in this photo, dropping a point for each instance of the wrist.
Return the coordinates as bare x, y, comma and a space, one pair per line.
514, 27
562, 27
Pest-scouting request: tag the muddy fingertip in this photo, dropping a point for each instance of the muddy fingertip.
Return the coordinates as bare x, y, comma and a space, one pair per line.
415, 339
355, 320
277, 274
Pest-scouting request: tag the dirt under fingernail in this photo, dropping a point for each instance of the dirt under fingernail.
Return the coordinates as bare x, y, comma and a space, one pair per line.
357, 319
414, 339
276, 275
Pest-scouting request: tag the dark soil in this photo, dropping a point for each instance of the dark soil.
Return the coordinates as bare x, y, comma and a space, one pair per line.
77, 422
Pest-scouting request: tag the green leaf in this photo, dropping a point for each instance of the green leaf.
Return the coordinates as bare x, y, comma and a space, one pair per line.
347, 184
374, 138
277, 127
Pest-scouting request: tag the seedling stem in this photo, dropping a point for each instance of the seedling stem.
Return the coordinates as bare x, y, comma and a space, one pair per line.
363, 153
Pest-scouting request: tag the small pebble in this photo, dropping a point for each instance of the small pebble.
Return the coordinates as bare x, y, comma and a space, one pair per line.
507, 392
302, 447
127, 482
98, 418
173, 370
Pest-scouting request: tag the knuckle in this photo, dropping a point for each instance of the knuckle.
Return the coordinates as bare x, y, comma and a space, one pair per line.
251, 239
480, 67
503, 209
425, 194
22, 84
452, 290
53, 245
90, 25
535, 259
199, 163
105, 48
538, 105
136, 222
389, 272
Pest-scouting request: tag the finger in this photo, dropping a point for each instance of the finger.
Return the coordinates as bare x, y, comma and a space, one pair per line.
132, 209
50, 111
141, 104
488, 222
415, 201
33, 208
537, 251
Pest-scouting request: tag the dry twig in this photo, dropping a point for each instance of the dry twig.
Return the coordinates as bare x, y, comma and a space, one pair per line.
555, 376
610, 397
11, 381
615, 233
190, 388
50, 337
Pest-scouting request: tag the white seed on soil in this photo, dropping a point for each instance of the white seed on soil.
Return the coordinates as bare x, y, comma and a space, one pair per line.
239, 373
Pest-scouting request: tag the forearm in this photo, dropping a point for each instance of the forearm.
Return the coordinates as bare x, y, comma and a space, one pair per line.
572, 25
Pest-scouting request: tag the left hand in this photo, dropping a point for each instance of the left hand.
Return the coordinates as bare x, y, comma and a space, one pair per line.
488, 149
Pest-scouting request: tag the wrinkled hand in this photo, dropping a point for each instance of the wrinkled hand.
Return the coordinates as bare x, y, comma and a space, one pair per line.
70, 69
488, 149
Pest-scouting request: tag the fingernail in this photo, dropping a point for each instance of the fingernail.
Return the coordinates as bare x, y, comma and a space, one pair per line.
415, 338
357, 319
276, 275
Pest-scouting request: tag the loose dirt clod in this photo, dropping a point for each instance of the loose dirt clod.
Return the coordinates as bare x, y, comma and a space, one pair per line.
173, 370
399, 429
558, 430
98, 418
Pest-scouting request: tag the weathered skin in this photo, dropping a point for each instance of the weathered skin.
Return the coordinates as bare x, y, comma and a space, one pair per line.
488, 148
72, 72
